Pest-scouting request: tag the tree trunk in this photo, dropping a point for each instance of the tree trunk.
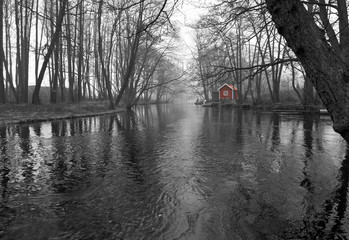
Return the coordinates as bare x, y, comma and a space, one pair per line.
326, 69
133, 55
36, 97
61, 73
104, 71
308, 93
69, 59
97, 80
293, 70
8, 74
24, 21
81, 51
2, 82
55, 64
18, 53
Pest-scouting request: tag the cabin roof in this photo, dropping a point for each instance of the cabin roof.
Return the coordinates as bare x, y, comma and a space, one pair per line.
229, 86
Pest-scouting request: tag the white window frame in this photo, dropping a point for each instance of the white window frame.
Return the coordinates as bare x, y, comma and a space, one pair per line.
225, 93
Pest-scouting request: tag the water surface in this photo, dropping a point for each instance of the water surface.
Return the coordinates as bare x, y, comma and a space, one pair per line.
175, 172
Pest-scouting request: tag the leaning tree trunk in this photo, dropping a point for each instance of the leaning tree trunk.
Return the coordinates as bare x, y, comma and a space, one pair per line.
326, 69
55, 38
308, 93
100, 54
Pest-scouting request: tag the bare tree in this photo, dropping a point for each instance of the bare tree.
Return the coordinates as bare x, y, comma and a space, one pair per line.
100, 53
54, 40
66, 32
324, 57
23, 21
2, 56
81, 50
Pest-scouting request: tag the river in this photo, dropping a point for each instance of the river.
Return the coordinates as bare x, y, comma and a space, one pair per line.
175, 172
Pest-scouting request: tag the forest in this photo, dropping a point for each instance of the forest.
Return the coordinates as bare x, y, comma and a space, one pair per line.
120, 51
237, 43
129, 52
125, 52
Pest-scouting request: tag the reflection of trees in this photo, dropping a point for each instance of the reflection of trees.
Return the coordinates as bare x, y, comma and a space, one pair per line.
37, 128
160, 114
336, 207
59, 128
127, 125
328, 223
59, 156
341, 197
24, 139
294, 131
106, 144
275, 135
27, 161
258, 117
319, 133
72, 156
306, 182
239, 127
272, 129
308, 135
72, 128
80, 125
78, 165
5, 170
308, 144
141, 188
55, 128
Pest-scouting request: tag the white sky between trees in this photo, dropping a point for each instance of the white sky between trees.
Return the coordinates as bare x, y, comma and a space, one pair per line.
189, 13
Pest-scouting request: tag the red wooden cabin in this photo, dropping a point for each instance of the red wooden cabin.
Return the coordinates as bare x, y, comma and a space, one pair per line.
227, 91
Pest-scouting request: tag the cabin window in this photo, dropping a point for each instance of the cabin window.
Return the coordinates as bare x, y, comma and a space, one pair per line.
225, 93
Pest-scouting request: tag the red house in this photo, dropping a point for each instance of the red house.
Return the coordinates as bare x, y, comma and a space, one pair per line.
227, 91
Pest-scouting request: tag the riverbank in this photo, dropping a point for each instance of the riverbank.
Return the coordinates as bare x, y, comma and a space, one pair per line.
26, 113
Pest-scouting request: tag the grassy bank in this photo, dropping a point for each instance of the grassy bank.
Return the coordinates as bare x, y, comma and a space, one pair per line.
24, 113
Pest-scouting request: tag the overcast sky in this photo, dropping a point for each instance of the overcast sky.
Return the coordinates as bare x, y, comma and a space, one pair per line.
188, 13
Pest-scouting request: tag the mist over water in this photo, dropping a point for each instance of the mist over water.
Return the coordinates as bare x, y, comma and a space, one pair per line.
175, 172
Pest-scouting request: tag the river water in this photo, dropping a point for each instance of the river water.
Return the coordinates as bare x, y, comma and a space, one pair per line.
175, 172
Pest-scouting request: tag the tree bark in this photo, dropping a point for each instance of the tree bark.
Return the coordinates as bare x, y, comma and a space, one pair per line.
7, 55
18, 53
55, 63
308, 93
81, 51
2, 82
8, 74
36, 97
133, 55
326, 69
71, 98
100, 51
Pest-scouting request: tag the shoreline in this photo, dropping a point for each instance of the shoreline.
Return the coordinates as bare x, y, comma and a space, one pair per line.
53, 118
12, 114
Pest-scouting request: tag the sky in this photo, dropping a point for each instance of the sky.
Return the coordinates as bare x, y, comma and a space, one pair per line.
188, 13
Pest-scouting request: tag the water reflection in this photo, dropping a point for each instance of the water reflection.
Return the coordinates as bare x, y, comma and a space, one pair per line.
175, 172
5, 166
341, 200
333, 221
